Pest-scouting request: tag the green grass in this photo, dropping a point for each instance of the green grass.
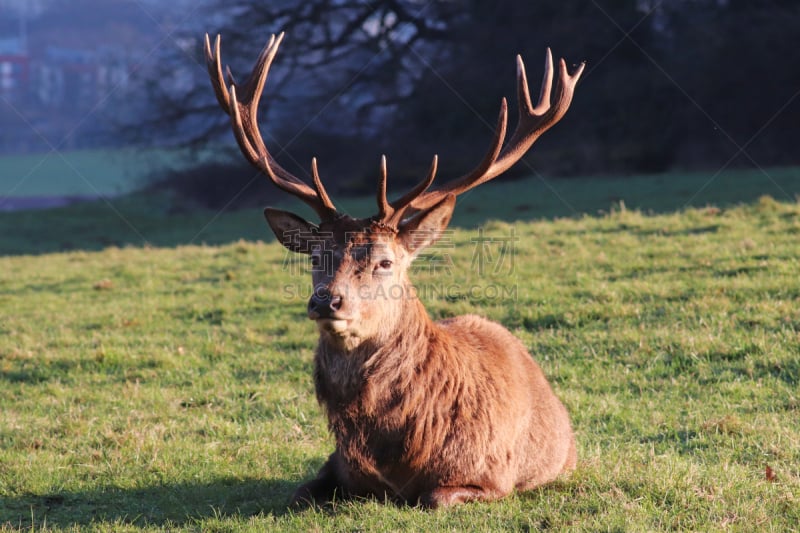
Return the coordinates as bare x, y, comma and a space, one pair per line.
170, 388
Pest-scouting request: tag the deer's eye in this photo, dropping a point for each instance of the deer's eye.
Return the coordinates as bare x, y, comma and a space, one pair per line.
385, 264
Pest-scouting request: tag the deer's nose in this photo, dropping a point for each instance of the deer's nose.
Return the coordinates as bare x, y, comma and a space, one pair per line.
323, 304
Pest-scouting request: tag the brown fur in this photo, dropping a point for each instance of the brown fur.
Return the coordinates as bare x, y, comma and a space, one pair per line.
426, 412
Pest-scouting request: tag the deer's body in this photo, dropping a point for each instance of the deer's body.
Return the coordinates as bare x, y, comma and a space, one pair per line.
457, 407
434, 413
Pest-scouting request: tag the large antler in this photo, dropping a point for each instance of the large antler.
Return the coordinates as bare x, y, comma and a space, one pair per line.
532, 123
241, 103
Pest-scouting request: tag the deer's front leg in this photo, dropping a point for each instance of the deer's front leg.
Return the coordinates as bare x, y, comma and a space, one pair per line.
321, 489
447, 496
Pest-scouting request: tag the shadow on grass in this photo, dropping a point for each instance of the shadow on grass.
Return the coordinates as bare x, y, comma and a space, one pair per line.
157, 219
170, 504
685, 442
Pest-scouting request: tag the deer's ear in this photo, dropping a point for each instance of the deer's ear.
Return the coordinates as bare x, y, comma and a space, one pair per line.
294, 232
425, 228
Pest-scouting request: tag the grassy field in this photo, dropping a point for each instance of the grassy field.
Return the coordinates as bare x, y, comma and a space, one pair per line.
77, 173
170, 388
95, 172
141, 220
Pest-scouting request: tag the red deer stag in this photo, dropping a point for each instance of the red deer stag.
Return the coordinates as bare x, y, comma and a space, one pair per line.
423, 412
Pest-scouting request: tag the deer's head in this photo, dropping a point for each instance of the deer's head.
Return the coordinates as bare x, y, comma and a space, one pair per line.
360, 265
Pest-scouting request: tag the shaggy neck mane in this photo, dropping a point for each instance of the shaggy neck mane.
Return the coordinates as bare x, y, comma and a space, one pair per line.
377, 366
384, 381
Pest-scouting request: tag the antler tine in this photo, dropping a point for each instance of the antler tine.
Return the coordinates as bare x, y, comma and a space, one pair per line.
547, 84
391, 213
239, 131
385, 210
320, 188
531, 124
402, 204
420, 188
523, 92
214, 66
244, 118
254, 86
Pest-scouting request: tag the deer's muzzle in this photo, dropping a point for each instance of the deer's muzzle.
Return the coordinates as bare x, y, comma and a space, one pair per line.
323, 304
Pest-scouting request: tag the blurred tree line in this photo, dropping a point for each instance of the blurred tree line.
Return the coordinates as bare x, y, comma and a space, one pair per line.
670, 84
